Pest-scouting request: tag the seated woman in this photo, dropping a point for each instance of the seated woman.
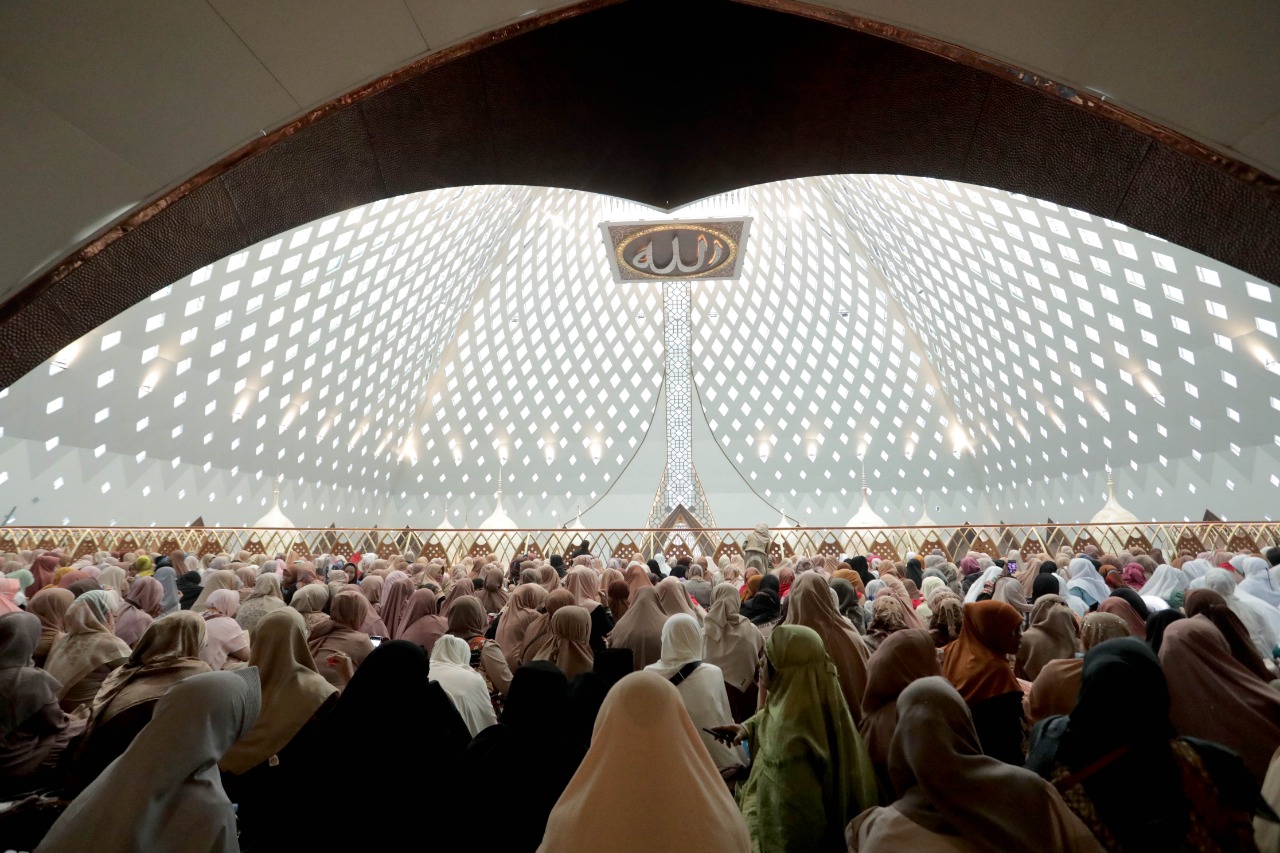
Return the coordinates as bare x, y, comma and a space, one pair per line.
168, 653
640, 628
1141, 787
467, 622
268, 758
83, 657
50, 606
1055, 689
311, 601
422, 624
734, 645
341, 635
34, 731
225, 641
953, 799
701, 686
451, 669
514, 622
142, 604
1053, 635
265, 597
176, 801
528, 758
569, 644
904, 657
978, 666
810, 772
633, 754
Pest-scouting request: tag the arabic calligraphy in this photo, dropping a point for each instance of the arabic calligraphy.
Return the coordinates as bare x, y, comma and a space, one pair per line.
676, 250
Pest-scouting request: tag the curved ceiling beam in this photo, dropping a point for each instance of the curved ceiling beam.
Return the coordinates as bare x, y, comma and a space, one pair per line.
611, 99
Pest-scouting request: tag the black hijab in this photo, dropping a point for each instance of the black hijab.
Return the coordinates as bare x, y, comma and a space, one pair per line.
1124, 705
915, 572
1134, 600
847, 603
859, 565
1044, 584
588, 690
1157, 623
766, 605
188, 589
527, 759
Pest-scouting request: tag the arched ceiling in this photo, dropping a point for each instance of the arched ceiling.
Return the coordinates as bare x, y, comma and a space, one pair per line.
104, 106
985, 353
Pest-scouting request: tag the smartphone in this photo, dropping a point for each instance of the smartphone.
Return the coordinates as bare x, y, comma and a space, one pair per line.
724, 737
376, 640
1012, 566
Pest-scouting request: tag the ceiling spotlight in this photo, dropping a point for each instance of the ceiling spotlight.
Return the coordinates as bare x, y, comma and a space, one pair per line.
764, 451
595, 453
813, 451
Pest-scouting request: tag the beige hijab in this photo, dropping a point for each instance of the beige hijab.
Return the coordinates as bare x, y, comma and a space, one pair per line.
637, 577
731, 641
640, 629
1053, 635
569, 647
292, 690
89, 642
539, 630
522, 611
644, 741
673, 599
167, 653
812, 605
585, 586
223, 579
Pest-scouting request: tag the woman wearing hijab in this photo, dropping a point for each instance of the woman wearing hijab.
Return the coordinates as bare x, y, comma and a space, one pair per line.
539, 630
1206, 602
461, 589
548, 578
633, 754
700, 684
1008, 590
1055, 689
142, 604
392, 684
888, 616
585, 586
946, 622
189, 590
42, 569
1044, 584
620, 599
50, 606
86, 654
1258, 582
310, 601
640, 630
1260, 619
848, 603
811, 605
1159, 621
1165, 584
1085, 583
222, 579
901, 659
952, 797
1141, 787
467, 622
756, 549
1053, 635
673, 599
340, 635
176, 800
734, 645
451, 669
492, 596
170, 601
764, 608
568, 646
810, 772
528, 758
226, 641
977, 665
422, 624
166, 654
265, 597
520, 613
34, 730
273, 755
750, 585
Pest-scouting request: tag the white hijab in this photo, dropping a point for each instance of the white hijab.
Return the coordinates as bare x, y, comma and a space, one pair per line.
702, 691
451, 667
1085, 577
1164, 583
1257, 581
175, 802
988, 575
1260, 619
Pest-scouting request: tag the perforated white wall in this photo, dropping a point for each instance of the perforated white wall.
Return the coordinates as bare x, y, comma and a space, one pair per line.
985, 352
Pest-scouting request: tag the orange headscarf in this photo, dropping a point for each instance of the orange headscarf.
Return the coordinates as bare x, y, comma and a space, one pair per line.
977, 663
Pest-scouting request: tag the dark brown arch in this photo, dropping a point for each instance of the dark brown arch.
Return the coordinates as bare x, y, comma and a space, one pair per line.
665, 102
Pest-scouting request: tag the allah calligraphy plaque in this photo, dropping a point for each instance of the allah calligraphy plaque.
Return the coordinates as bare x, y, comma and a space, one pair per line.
708, 249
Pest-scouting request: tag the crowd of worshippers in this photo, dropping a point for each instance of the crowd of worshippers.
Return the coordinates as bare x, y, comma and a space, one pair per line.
1073, 702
